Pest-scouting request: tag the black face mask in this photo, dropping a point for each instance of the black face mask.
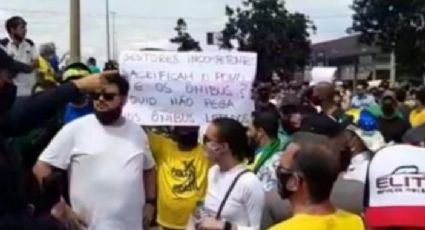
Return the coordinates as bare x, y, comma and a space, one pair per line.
388, 109
186, 139
283, 178
253, 143
289, 127
7, 97
108, 117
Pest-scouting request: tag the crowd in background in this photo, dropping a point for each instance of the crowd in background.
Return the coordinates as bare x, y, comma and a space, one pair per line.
315, 156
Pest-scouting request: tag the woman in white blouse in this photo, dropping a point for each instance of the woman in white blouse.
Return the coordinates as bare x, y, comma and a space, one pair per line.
226, 144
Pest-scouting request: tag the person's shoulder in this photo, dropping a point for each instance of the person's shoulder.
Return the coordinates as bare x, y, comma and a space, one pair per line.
81, 122
287, 224
30, 42
213, 169
135, 129
351, 217
250, 180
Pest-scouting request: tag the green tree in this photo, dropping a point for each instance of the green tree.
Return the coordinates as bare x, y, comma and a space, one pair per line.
394, 25
281, 39
183, 38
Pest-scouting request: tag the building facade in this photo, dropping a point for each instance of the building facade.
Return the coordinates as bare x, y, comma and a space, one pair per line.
352, 59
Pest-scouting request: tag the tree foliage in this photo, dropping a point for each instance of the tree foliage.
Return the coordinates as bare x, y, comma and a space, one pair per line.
183, 38
280, 38
394, 25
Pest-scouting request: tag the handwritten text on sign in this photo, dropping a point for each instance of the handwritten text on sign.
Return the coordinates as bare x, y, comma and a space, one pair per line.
173, 88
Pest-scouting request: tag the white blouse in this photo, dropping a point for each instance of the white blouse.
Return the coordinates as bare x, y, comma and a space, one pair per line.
245, 204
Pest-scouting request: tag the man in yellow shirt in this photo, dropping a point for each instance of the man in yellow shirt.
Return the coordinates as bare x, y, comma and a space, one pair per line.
182, 170
417, 116
306, 174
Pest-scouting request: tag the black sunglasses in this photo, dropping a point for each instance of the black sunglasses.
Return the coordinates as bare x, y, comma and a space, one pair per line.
105, 96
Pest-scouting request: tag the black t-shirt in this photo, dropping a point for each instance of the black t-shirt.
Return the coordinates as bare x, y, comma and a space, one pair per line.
393, 129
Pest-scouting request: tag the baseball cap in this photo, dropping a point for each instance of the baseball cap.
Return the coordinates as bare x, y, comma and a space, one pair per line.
324, 125
372, 139
395, 188
75, 71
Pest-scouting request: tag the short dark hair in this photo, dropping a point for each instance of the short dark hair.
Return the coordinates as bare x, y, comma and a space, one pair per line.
121, 82
234, 134
317, 163
91, 61
14, 22
420, 95
400, 95
268, 121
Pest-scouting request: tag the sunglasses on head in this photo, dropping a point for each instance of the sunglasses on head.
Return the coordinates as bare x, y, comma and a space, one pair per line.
105, 96
282, 172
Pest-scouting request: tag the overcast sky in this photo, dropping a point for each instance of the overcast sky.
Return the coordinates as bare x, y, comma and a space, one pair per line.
139, 21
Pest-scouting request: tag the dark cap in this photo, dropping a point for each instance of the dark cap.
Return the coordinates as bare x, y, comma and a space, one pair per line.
324, 125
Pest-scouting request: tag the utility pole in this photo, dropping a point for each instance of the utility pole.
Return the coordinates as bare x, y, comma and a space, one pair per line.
114, 37
75, 52
393, 68
108, 39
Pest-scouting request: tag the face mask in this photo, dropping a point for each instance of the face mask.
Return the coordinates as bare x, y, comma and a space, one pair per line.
187, 139
7, 97
253, 143
388, 109
108, 117
213, 151
283, 178
289, 127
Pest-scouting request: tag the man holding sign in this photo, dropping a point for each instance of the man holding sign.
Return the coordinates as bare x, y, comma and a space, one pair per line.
185, 90
182, 175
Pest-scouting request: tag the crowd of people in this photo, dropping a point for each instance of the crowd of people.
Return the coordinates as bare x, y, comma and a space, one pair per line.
315, 156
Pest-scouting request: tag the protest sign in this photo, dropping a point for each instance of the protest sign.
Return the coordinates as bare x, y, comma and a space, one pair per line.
188, 88
322, 74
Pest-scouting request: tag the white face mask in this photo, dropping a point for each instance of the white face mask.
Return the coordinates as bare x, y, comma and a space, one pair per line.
213, 151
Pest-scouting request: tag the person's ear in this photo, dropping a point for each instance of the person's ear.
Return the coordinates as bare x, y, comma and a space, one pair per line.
261, 132
293, 183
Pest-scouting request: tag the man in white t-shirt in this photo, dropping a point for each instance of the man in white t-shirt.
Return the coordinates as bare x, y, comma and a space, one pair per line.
22, 50
110, 165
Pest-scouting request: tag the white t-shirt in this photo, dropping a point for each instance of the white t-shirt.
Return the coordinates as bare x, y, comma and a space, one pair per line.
245, 204
106, 165
26, 53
